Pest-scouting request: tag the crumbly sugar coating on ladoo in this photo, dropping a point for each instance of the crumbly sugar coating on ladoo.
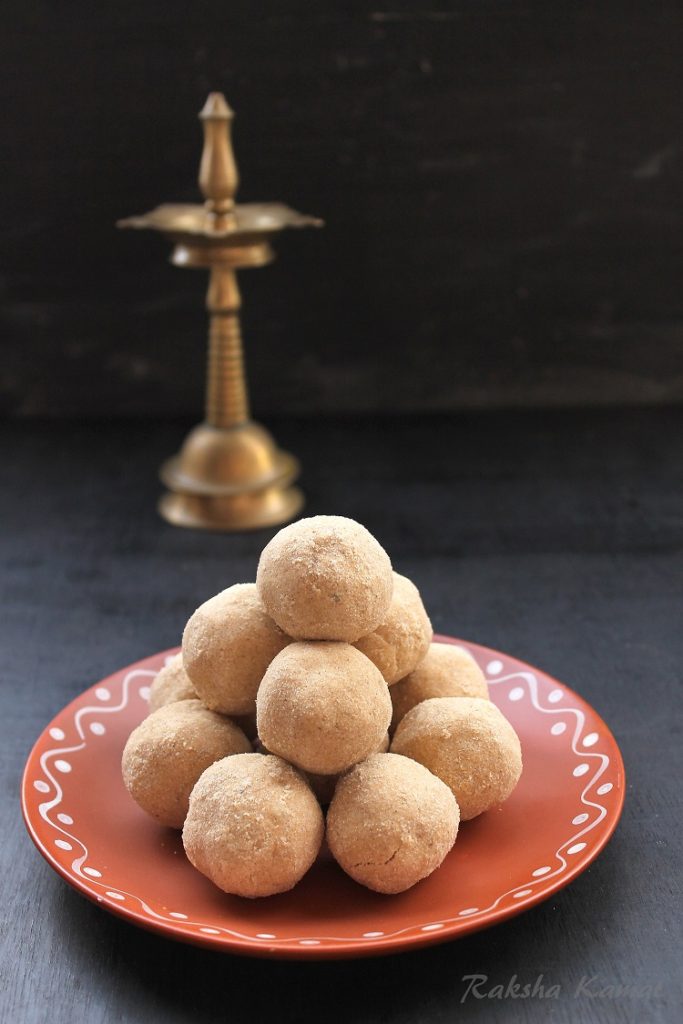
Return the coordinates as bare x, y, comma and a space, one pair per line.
401, 641
325, 578
169, 750
324, 785
323, 706
469, 744
228, 644
254, 827
171, 684
391, 823
447, 670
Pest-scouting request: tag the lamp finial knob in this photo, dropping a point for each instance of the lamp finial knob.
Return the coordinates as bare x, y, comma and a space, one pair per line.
218, 176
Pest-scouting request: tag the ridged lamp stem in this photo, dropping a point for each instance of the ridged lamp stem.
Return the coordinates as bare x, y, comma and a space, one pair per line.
227, 404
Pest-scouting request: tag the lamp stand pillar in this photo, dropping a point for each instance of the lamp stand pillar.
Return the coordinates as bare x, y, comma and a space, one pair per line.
229, 474
227, 403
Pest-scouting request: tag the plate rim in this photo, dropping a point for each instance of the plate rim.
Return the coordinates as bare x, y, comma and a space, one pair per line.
345, 948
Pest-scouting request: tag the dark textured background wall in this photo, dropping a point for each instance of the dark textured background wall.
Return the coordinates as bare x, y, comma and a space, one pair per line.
502, 184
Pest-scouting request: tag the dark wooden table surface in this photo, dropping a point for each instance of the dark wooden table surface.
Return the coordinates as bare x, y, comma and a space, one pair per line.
558, 538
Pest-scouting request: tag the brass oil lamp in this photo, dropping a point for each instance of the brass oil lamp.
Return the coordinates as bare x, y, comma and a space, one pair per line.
229, 474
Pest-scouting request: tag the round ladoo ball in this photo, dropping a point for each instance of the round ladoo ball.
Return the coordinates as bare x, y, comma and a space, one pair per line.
323, 706
467, 743
228, 644
445, 671
171, 684
324, 785
401, 641
391, 823
254, 827
169, 750
325, 578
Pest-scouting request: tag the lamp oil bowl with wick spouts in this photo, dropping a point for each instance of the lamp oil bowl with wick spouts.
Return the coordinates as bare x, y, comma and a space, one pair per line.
229, 473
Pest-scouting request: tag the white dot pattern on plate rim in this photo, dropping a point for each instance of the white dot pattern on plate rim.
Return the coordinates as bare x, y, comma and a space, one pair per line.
580, 770
57, 734
145, 692
521, 893
602, 790
516, 694
65, 819
558, 728
539, 872
554, 696
495, 667
62, 766
97, 728
590, 740
579, 819
576, 848
102, 693
41, 786
63, 845
93, 872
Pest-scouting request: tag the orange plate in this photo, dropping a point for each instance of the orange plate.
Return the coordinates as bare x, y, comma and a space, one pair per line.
557, 821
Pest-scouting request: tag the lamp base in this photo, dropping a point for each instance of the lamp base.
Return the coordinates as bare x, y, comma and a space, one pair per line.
254, 511
230, 478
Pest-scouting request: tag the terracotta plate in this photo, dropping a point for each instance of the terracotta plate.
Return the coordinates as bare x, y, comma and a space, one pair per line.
557, 821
